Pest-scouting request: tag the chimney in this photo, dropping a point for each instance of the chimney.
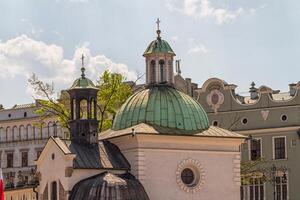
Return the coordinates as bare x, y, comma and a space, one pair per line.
292, 89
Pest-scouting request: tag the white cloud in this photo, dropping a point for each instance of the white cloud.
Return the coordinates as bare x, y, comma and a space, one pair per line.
21, 56
201, 49
201, 9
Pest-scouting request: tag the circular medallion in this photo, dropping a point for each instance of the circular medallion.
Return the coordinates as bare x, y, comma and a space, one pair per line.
190, 175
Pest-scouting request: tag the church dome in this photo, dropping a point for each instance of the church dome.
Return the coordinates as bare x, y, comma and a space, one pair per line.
159, 46
164, 106
82, 83
109, 186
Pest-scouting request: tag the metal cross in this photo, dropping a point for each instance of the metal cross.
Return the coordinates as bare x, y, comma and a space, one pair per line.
157, 22
82, 67
82, 60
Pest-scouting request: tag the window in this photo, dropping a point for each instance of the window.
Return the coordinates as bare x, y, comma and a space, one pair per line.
255, 149
25, 114
281, 187
279, 148
24, 159
215, 123
152, 71
10, 160
283, 117
161, 68
54, 130
244, 121
187, 176
54, 190
256, 189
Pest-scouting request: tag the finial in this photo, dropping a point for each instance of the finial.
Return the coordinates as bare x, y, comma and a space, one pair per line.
252, 85
82, 66
158, 30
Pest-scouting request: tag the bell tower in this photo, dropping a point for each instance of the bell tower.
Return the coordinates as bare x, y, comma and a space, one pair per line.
83, 101
159, 61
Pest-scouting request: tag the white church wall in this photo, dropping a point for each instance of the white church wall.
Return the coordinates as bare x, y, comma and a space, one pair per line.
158, 160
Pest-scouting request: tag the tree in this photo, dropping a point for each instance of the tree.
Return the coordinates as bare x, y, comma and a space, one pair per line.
47, 104
113, 92
253, 168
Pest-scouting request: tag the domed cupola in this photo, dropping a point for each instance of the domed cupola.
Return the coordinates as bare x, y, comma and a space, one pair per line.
109, 186
159, 61
159, 103
164, 106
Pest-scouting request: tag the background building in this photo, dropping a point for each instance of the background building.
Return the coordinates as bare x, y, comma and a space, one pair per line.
23, 135
271, 119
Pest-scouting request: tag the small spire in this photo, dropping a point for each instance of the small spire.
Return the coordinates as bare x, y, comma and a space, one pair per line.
158, 30
82, 66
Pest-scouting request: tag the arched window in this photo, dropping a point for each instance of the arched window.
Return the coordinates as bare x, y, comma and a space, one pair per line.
23, 132
29, 132
83, 109
162, 70
2, 135
54, 129
8, 134
152, 72
50, 129
74, 109
44, 131
92, 108
16, 135
53, 190
37, 132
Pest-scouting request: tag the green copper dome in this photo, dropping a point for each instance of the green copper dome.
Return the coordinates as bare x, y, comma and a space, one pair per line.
164, 106
83, 82
159, 46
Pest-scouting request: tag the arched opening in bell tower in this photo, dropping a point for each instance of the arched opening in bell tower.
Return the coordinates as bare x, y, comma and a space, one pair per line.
162, 70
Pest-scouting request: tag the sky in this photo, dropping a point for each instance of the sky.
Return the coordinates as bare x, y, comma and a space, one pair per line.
239, 41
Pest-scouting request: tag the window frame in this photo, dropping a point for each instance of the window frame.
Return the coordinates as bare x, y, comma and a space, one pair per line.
27, 162
281, 184
249, 148
12, 165
285, 147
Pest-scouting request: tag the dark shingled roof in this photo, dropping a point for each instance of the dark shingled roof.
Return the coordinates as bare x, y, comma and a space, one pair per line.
105, 155
107, 186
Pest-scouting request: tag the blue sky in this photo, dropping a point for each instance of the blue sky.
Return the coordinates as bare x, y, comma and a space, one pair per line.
239, 41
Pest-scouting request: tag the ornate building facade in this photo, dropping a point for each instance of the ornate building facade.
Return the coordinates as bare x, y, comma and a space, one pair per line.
23, 135
271, 122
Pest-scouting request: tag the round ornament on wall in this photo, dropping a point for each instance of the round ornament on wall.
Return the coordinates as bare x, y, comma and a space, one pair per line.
190, 175
215, 99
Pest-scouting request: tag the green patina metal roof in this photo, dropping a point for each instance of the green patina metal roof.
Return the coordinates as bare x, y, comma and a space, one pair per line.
83, 82
163, 106
159, 46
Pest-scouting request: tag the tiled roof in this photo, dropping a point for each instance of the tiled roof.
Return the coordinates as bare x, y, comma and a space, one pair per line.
143, 128
28, 105
105, 155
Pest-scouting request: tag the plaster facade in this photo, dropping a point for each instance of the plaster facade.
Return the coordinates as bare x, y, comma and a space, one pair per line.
262, 116
155, 160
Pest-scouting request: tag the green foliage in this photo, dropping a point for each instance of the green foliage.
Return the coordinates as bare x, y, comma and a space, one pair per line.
250, 169
47, 105
113, 92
